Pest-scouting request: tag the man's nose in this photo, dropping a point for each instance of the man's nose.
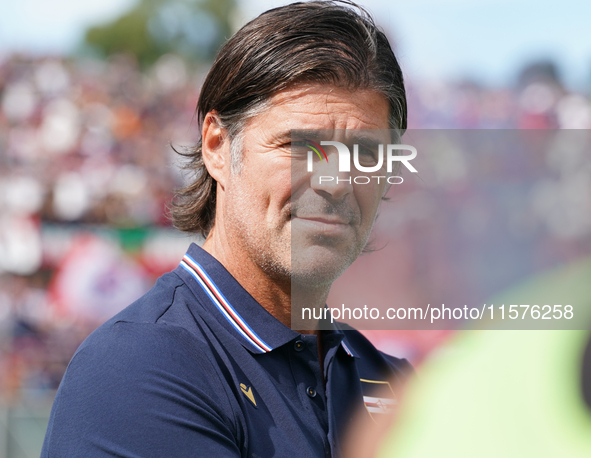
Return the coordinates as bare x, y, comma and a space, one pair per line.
328, 180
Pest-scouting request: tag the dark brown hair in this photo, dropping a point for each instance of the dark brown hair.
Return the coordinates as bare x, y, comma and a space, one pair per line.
326, 42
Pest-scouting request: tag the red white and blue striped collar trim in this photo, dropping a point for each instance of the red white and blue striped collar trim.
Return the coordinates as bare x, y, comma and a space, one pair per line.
223, 305
344, 345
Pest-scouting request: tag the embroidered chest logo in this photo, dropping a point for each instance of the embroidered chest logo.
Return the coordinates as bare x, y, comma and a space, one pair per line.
382, 400
247, 391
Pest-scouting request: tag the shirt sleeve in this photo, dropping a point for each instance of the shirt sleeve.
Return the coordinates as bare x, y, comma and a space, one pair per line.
141, 390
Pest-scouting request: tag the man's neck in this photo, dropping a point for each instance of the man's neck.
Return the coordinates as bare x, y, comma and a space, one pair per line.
274, 293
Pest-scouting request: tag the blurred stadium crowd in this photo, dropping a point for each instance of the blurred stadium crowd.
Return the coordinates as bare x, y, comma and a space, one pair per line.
87, 171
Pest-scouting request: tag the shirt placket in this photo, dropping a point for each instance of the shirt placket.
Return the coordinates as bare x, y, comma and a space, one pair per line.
310, 384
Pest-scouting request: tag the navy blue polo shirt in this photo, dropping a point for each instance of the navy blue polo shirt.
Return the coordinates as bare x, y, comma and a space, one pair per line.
197, 368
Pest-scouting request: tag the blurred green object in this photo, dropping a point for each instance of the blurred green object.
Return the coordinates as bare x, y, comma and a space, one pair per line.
193, 29
503, 393
132, 239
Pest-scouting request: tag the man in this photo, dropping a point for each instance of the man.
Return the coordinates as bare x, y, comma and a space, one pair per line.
205, 364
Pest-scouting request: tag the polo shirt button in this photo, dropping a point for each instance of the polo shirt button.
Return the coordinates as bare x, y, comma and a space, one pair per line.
310, 391
298, 345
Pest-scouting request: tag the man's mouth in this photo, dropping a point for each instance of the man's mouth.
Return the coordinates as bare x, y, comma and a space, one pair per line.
331, 226
325, 219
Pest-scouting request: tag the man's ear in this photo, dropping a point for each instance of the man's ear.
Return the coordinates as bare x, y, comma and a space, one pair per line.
215, 147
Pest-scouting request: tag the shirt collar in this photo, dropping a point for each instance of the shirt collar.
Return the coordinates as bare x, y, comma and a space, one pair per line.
225, 299
334, 333
231, 304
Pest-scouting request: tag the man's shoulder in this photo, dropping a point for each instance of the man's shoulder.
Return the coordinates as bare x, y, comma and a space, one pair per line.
153, 340
136, 370
159, 324
150, 307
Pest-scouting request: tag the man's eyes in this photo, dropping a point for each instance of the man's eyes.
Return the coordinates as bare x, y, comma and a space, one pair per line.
367, 156
298, 148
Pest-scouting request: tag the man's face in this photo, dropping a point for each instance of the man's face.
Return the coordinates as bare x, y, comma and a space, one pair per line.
287, 222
